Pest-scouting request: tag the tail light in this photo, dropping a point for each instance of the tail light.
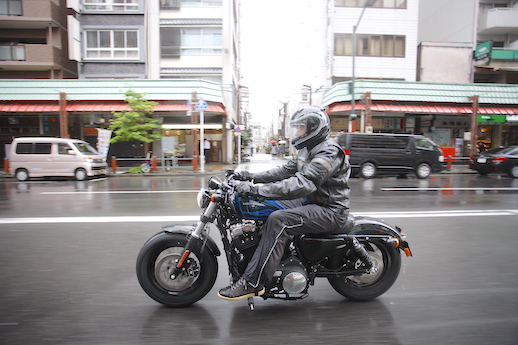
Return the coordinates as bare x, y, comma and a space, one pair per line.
499, 159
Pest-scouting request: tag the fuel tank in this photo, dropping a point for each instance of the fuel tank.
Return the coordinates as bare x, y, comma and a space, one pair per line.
249, 208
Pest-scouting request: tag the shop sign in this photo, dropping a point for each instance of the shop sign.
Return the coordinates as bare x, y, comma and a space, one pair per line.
512, 118
492, 118
483, 50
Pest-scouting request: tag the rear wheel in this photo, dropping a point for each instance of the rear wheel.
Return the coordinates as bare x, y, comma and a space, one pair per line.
368, 286
368, 170
513, 172
423, 170
156, 261
21, 175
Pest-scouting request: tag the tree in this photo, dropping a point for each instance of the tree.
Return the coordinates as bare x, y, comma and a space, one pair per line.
137, 123
246, 137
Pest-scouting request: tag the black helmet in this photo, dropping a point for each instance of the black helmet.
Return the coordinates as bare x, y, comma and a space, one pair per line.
316, 123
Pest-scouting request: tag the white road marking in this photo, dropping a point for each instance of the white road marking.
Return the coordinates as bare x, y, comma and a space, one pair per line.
124, 192
194, 218
420, 189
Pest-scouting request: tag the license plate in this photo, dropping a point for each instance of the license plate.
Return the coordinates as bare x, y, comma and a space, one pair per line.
481, 160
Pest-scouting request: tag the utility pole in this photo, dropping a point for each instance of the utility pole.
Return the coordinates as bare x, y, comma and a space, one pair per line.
63, 116
474, 127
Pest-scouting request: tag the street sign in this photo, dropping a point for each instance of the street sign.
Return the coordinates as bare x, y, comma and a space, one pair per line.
201, 105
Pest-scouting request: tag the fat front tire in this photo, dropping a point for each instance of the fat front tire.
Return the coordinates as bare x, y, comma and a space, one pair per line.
156, 261
368, 286
423, 170
368, 170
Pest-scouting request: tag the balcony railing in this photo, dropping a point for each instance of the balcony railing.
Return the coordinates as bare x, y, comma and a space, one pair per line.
498, 21
12, 53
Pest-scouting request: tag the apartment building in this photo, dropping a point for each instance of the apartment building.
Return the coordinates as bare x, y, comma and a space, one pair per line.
108, 38
386, 39
488, 27
33, 40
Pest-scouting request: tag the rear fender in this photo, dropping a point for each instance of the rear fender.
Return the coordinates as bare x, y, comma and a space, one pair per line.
373, 226
186, 230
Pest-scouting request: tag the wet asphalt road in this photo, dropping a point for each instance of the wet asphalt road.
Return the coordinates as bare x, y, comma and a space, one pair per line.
68, 251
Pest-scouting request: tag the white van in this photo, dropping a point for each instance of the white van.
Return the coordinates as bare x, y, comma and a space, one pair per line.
41, 157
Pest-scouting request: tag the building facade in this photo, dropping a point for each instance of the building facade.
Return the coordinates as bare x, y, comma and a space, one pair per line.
34, 40
386, 39
490, 25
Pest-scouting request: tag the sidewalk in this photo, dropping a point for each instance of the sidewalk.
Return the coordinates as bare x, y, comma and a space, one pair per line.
219, 168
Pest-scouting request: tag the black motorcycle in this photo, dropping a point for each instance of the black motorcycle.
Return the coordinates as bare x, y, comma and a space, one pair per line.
178, 266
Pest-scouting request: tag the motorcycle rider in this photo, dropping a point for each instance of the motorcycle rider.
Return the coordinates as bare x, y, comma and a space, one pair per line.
314, 188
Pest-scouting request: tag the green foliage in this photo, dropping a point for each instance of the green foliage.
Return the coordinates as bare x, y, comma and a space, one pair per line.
137, 123
246, 137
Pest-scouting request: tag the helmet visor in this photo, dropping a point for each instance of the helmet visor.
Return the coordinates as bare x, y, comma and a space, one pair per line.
297, 129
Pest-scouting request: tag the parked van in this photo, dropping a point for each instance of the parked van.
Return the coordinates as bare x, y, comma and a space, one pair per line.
370, 154
40, 156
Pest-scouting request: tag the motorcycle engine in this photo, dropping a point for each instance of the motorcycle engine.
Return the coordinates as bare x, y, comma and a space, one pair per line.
245, 238
290, 280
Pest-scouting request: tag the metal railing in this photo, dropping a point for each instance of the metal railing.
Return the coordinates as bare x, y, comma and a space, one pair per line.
155, 164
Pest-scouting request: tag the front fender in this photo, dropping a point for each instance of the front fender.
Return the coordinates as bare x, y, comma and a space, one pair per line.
186, 230
373, 226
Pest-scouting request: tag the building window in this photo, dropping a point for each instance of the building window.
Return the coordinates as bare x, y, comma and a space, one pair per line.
176, 4
370, 45
190, 41
11, 8
111, 5
112, 44
378, 3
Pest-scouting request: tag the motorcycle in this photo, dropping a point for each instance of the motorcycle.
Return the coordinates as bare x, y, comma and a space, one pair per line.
178, 266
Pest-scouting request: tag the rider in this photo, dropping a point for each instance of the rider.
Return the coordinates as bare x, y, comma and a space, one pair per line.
314, 187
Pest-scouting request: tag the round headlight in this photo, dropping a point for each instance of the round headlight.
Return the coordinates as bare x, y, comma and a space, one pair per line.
203, 198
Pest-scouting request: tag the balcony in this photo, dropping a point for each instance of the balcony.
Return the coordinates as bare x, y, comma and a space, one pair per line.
499, 21
36, 14
30, 57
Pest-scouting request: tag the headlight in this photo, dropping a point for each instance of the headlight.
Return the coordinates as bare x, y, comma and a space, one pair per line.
203, 198
89, 159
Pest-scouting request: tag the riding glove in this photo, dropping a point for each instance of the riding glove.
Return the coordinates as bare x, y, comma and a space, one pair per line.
243, 176
246, 189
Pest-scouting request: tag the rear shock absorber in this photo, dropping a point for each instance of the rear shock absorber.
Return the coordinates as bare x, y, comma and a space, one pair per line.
369, 263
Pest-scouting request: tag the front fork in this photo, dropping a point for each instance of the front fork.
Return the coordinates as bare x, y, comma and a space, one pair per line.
196, 240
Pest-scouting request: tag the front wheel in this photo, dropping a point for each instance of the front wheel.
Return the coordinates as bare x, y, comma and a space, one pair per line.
513, 171
368, 286
368, 170
423, 170
156, 261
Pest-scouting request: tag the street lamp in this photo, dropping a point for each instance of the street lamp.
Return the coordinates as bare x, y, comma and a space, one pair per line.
352, 117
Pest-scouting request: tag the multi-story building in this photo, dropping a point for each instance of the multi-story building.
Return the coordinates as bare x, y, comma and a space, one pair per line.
386, 39
131, 40
33, 40
490, 27
108, 38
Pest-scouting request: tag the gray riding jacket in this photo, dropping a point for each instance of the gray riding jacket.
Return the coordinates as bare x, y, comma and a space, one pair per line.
320, 174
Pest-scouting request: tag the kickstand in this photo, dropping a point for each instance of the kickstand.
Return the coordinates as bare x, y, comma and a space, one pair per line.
251, 303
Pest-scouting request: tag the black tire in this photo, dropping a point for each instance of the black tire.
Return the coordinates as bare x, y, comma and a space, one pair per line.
159, 256
80, 174
423, 170
368, 170
21, 175
513, 171
369, 286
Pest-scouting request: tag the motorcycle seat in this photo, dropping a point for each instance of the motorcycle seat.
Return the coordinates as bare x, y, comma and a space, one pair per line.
346, 226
